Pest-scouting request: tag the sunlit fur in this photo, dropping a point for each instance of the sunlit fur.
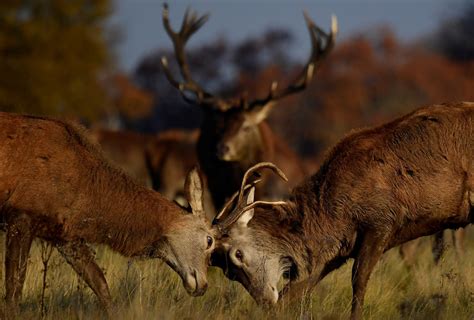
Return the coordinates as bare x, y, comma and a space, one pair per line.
56, 185
378, 187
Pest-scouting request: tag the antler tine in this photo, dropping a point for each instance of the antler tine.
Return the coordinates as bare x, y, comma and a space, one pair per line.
261, 204
318, 36
321, 44
242, 206
238, 213
232, 199
253, 169
191, 23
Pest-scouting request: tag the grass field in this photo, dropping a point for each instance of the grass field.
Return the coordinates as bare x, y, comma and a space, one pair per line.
150, 290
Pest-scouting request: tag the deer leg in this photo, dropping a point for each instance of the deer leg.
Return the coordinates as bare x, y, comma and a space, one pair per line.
298, 290
438, 246
371, 249
82, 260
458, 241
18, 243
408, 251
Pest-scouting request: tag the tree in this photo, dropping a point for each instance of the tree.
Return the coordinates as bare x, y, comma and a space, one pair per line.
455, 37
52, 56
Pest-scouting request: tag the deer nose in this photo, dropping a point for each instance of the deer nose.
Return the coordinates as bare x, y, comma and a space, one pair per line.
222, 150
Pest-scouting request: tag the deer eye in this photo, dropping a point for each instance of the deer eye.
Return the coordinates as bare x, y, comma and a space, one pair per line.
209, 241
239, 255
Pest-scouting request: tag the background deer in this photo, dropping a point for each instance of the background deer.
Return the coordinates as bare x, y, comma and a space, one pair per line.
378, 188
234, 135
159, 161
409, 250
57, 186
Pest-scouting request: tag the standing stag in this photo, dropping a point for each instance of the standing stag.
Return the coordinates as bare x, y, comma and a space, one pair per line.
57, 186
234, 135
378, 188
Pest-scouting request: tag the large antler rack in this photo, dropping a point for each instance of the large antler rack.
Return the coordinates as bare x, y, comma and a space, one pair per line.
231, 213
191, 23
321, 43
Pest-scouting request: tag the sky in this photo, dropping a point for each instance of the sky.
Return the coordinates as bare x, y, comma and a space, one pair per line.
140, 24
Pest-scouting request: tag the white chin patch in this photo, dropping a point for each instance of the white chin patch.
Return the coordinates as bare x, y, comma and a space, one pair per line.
275, 299
190, 283
228, 157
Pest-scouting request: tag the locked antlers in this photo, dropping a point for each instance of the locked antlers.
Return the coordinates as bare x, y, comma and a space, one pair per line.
231, 213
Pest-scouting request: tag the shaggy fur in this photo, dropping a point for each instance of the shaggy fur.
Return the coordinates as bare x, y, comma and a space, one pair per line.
378, 188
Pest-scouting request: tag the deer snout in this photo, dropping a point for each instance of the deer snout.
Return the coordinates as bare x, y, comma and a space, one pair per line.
195, 283
267, 296
223, 151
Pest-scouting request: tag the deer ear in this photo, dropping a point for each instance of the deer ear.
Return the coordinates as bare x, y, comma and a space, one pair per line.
259, 114
248, 215
194, 189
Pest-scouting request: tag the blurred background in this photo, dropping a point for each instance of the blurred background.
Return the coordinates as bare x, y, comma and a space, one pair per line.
98, 61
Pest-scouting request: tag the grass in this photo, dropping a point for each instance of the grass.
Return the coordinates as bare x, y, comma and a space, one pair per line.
150, 290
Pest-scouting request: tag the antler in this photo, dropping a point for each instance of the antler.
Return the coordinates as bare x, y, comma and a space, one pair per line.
241, 206
321, 44
191, 23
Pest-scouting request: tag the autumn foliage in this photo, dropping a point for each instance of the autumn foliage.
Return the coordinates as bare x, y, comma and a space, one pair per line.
366, 82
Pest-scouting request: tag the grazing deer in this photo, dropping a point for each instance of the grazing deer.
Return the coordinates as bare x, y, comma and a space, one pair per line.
57, 186
161, 161
378, 188
234, 135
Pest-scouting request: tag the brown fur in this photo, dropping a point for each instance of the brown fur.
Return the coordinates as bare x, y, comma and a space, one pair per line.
378, 188
224, 129
159, 161
56, 185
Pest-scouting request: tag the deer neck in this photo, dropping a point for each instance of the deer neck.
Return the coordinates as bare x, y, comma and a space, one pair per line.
318, 239
124, 215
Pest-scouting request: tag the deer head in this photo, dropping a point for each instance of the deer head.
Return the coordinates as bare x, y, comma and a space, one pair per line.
252, 255
188, 244
231, 125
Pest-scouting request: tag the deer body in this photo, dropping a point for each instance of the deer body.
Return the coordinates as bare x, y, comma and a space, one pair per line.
378, 188
56, 185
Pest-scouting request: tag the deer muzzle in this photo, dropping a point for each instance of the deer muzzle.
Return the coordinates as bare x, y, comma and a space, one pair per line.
195, 283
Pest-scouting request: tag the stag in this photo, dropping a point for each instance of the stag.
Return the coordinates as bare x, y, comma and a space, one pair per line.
234, 134
378, 188
57, 186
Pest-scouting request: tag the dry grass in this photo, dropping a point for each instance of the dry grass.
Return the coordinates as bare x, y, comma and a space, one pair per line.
150, 290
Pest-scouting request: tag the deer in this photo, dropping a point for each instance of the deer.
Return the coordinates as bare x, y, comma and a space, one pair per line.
127, 149
234, 135
159, 161
378, 187
57, 186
